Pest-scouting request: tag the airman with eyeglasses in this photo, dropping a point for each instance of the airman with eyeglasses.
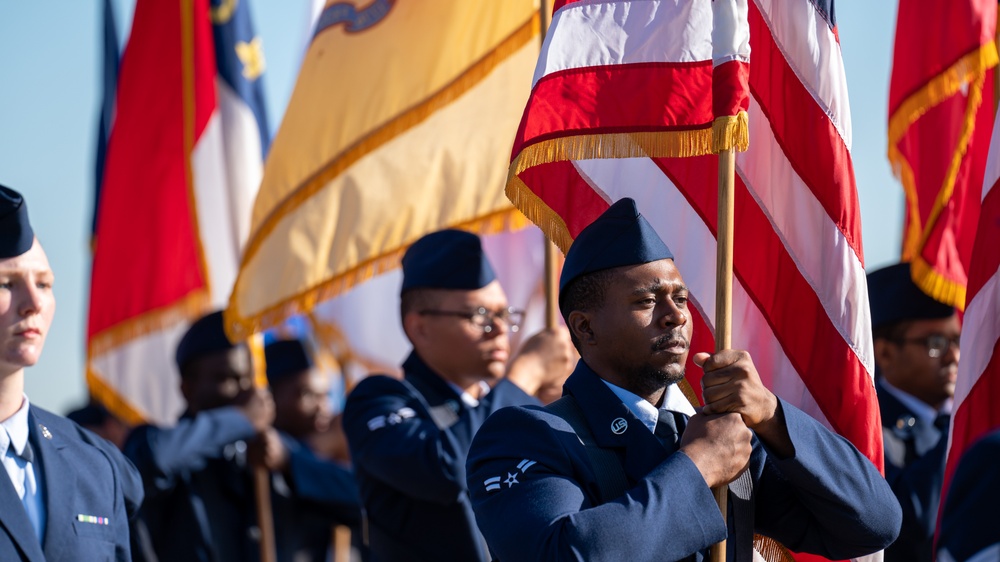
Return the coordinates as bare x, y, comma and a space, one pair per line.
484, 319
916, 341
409, 438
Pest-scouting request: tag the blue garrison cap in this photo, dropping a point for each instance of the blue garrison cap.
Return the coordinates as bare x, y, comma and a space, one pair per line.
286, 357
16, 235
619, 237
447, 259
205, 336
894, 297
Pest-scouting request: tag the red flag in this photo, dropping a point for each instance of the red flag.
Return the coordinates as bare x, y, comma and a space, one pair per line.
939, 133
183, 163
800, 299
978, 385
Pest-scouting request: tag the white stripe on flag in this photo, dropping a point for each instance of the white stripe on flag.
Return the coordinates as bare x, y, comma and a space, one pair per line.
597, 33
803, 225
979, 340
813, 52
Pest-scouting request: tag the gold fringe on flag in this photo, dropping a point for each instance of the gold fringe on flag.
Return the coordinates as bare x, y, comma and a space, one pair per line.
114, 402
657, 144
549, 221
936, 285
187, 309
731, 131
771, 550
944, 85
239, 327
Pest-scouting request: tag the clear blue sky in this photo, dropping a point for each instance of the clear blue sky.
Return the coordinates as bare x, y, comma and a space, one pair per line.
49, 96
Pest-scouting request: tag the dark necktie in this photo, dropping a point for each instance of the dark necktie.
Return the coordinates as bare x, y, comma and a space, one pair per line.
668, 429
942, 421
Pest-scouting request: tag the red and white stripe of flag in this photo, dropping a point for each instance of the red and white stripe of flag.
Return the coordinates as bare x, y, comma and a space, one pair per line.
978, 385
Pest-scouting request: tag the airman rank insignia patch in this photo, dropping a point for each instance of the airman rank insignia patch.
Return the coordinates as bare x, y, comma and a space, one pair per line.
394, 418
493, 484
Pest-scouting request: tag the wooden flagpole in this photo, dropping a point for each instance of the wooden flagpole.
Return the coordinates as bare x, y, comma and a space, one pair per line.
724, 294
265, 517
551, 252
261, 476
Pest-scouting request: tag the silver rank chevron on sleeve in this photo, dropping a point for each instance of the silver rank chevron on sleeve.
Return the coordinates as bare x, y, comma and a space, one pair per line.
378, 422
496, 483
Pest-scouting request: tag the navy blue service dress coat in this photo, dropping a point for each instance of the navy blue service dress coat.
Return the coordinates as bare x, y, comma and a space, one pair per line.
199, 490
536, 496
914, 467
83, 475
970, 524
409, 440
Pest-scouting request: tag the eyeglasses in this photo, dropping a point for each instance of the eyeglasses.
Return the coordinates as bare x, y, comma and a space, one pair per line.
936, 344
484, 319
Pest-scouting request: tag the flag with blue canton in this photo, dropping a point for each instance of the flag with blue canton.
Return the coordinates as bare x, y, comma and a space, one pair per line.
186, 137
112, 57
239, 58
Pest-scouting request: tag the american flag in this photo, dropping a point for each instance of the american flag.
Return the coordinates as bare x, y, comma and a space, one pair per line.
978, 384
800, 299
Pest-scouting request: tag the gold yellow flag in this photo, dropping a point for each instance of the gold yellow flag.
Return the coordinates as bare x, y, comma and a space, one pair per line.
400, 124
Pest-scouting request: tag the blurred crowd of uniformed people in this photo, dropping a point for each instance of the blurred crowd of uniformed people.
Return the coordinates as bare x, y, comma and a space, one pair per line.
616, 471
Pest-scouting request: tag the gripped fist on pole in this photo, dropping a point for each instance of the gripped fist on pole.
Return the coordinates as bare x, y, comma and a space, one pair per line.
731, 385
258, 406
268, 451
719, 445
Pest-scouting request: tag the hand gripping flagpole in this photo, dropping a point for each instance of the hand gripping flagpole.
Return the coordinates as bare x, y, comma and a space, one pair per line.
730, 131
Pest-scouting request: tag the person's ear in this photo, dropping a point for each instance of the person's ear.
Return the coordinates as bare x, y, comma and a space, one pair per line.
580, 324
414, 327
885, 354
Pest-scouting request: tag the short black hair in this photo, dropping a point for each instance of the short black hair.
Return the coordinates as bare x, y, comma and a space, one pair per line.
892, 331
415, 300
584, 293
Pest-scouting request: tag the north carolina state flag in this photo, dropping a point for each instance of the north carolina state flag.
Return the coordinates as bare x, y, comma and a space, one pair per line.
182, 166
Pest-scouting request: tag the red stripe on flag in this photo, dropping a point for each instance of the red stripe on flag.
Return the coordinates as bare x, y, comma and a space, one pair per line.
813, 345
975, 416
602, 99
557, 4
561, 187
701, 340
805, 132
729, 88
146, 255
986, 251
932, 35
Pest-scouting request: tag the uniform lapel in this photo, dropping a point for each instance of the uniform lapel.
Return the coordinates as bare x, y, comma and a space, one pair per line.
14, 518
59, 482
604, 412
444, 404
